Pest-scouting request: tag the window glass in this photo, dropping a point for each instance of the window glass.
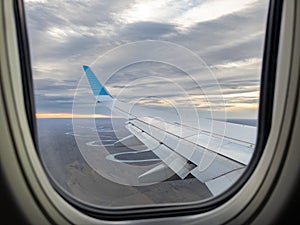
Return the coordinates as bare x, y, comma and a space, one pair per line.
146, 102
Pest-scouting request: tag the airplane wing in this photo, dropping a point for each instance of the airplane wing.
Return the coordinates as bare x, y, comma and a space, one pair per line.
216, 157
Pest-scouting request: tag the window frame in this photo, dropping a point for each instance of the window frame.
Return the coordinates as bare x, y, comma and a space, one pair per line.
264, 125
262, 111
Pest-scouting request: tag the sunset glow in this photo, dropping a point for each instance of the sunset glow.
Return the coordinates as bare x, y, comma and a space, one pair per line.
70, 115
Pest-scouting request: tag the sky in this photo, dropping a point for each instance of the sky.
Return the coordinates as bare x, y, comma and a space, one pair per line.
204, 54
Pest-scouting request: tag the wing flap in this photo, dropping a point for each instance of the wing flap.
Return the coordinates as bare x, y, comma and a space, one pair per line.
175, 162
219, 184
207, 157
216, 168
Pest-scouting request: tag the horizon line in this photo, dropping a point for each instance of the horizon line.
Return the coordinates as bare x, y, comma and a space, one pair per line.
71, 115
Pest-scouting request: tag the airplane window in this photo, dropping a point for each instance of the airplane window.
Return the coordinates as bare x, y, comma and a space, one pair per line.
146, 103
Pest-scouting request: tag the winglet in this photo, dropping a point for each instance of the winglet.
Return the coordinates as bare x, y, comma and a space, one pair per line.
97, 87
85, 67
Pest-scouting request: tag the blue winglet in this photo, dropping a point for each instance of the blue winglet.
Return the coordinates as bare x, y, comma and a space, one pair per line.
97, 87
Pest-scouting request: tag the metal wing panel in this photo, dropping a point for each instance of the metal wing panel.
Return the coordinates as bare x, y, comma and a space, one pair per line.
224, 146
218, 167
186, 141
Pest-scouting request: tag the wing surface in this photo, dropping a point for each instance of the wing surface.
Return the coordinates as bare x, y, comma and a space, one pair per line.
215, 152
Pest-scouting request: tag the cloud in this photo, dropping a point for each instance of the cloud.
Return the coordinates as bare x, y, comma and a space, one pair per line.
148, 30
184, 14
64, 35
